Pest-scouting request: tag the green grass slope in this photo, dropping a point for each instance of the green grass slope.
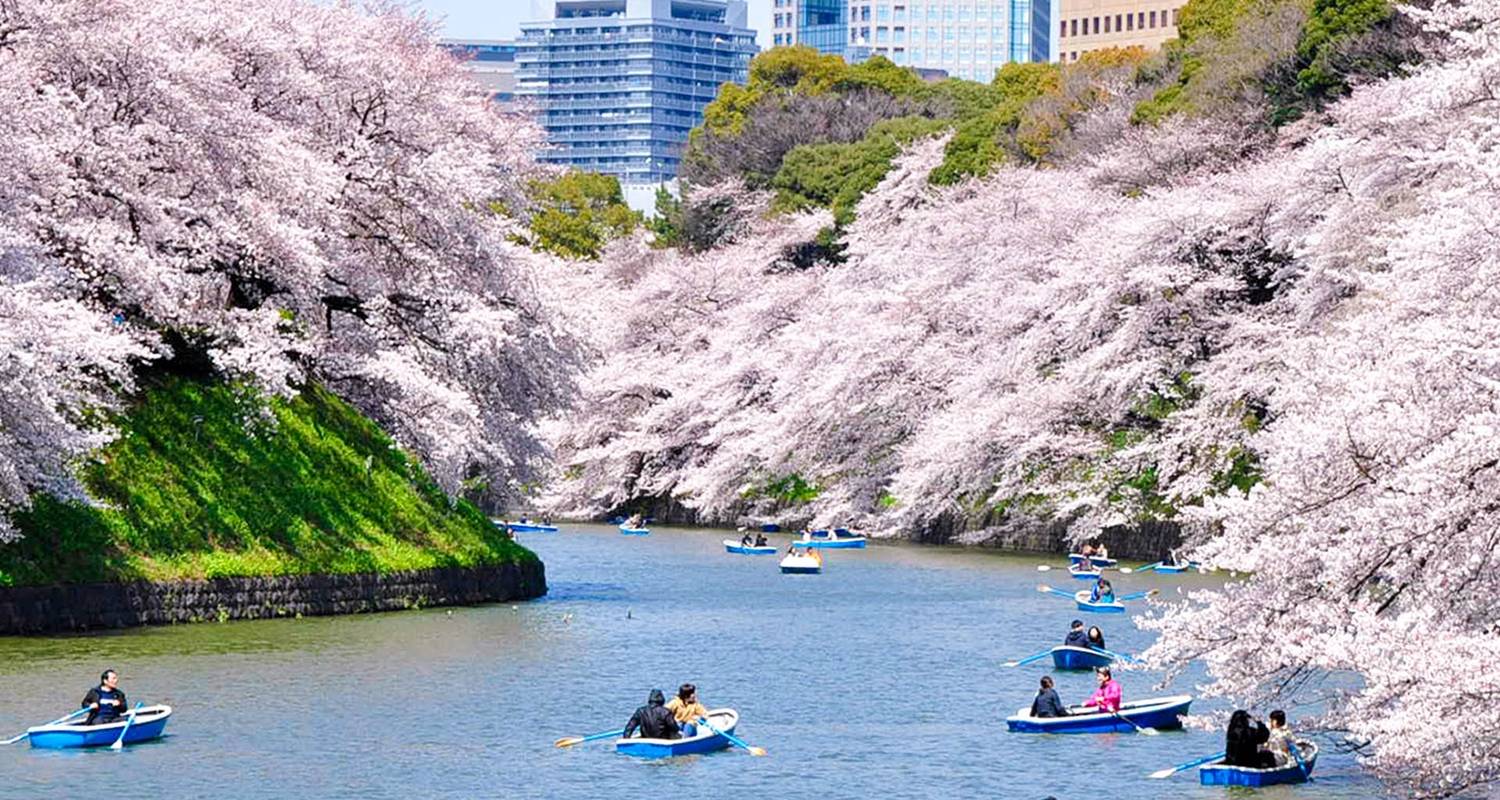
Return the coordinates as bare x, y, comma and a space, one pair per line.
211, 481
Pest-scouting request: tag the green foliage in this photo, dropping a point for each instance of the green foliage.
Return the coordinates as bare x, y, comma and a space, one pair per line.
790, 489
887, 501
1332, 23
666, 225
212, 481
976, 148
576, 214
836, 176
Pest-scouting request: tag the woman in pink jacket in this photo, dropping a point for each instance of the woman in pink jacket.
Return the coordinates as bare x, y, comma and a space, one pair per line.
1107, 696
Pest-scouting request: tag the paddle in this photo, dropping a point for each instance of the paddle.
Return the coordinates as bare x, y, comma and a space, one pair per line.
1045, 589
1302, 765
1043, 568
754, 751
129, 720
1137, 595
1147, 568
1146, 731
1030, 658
1117, 656
58, 721
1167, 773
569, 741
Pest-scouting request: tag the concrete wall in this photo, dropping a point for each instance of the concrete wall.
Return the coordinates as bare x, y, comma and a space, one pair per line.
64, 608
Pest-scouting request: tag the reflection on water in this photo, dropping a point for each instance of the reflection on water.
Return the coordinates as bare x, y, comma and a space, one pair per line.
880, 677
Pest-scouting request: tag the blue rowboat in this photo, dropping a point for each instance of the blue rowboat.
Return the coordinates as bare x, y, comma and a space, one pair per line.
628, 531
1098, 561
1162, 713
1069, 657
149, 724
734, 546
1082, 598
702, 741
1220, 774
803, 562
837, 538
1085, 573
1175, 568
530, 527
769, 527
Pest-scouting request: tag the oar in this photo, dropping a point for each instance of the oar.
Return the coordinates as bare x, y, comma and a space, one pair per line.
1117, 656
754, 751
1302, 765
1043, 568
1146, 731
1147, 568
1169, 772
569, 741
129, 720
1045, 589
1137, 595
1029, 659
58, 721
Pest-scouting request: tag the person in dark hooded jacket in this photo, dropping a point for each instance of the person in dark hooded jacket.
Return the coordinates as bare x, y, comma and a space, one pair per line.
1242, 742
654, 720
1076, 636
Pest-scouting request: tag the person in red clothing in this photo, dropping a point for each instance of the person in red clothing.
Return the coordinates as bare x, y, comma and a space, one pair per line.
1107, 697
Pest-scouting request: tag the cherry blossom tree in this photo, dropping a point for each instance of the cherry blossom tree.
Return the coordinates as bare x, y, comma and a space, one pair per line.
296, 190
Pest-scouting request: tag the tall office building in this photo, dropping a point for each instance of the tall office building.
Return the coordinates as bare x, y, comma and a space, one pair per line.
823, 24
492, 64
1096, 24
965, 38
620, 83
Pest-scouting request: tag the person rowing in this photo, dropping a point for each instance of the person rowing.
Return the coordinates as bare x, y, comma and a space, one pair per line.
745, 540
105, 702
760, 540
653, 719
1076, 636
1106, 698
1103, 592
1047, 703
686, 708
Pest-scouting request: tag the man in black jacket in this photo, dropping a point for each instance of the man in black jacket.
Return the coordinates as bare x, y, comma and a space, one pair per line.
105, 702
1076, 636
654, 720
1047, 703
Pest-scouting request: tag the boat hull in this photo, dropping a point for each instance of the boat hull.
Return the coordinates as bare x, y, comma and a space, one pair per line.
1162, 713
1069, 657
1173, 569
635, 531
1082, 599
1218, 774
801, 564
705, 741
1085, 574
1102, 563
150, 723
833, 544
732, 546
526, 527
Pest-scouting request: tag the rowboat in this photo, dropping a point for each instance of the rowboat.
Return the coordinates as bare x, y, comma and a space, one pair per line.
1162, 713
149, 724
1069, 657
1085, 573
1220, 774
703, 740
802, 562
734, 546
1082, 598
1175, 568
836, 538
530, 527
1098, 561
629, 531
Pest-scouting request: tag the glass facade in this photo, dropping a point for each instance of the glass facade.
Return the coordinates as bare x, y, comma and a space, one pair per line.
964, 38
823, 24
618, 84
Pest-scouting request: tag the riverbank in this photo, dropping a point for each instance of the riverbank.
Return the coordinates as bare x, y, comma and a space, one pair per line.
217, 503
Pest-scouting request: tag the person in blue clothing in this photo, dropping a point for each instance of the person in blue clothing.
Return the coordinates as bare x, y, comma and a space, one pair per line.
1076, 636
1103, 592
1047, 703
105, 702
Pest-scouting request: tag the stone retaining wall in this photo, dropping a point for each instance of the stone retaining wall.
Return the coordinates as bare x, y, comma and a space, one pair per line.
63, 608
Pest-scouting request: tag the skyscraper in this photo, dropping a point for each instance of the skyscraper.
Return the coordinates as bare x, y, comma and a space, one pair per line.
965, 38
823, 24
491, 62
620, 83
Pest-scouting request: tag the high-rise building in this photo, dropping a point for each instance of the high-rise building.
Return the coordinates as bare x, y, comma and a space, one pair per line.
823, 24
491, 62
964, 38
619, 84
1086, 25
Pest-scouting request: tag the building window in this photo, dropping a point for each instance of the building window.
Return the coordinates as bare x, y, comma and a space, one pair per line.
1129, 22
1118, 26
1153, 19
1140, 20
1096, 26
1073, 27
1174, 16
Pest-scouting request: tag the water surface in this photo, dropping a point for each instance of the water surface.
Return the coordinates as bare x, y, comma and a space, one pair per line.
879, 678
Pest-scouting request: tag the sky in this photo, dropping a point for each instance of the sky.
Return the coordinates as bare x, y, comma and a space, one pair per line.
501, 19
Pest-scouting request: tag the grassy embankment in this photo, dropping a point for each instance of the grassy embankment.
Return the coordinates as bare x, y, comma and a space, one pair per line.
205, 482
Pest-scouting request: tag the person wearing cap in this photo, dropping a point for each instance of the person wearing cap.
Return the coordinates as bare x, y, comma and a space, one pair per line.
686, 708
1076, 636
